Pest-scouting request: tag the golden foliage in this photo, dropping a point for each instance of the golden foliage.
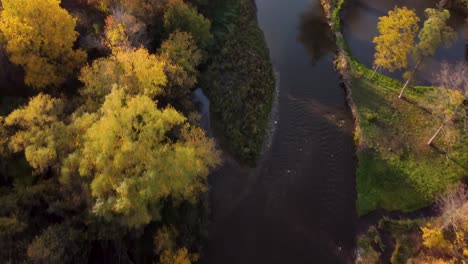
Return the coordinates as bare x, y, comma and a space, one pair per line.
40, 36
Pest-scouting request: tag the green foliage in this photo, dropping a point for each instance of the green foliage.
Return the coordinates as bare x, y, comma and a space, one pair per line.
434, 33
406, 236
40, 36
183, 55
240, 82
184, 17
396, 170
366, 244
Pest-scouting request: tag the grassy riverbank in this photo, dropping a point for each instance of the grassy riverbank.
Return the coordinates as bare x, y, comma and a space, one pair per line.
396, 170
239, 79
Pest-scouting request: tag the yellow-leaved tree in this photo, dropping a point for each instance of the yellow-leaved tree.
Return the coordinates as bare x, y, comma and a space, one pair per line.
137, 155
135, 70
39, 36
397, 32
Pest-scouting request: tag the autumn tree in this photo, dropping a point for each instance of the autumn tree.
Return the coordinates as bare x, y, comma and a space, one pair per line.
444, 104
433, 34
183, 57
39, 131
136, 155
446, 238
184, 17
40, 36
168, 250
135, 70
397, 31
455, 77
123, 30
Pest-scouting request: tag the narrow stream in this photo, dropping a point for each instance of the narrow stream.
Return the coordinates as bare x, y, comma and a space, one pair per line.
298, 205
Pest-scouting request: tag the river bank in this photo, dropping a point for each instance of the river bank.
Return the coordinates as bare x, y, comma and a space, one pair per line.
396, 171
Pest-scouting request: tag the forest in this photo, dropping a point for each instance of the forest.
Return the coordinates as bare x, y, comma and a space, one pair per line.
102, 156
336, 131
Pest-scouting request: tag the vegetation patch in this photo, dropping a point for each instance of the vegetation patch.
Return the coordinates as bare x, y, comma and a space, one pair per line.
239, 80
397, 170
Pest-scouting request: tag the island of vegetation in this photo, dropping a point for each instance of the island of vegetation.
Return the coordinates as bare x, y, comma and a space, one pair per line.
412, 141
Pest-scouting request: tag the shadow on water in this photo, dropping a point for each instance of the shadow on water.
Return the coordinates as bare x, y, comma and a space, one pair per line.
298, 205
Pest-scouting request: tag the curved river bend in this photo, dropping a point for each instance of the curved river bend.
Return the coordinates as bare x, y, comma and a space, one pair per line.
298, 205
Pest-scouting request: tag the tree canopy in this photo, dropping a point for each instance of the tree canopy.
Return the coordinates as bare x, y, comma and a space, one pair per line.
397, 32
184, 17
433, 34
136, 155
40, 36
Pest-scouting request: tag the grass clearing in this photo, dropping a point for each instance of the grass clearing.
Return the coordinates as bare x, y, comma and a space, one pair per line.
396, 170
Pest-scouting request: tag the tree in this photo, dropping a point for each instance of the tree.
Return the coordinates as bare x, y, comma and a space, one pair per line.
183, 57
444, 104
167, 249
136, 71
434, 33
455, 77
184, 17
124, 31
57, 244
40, 36
40, 132
446, 238
396, 39
136, 155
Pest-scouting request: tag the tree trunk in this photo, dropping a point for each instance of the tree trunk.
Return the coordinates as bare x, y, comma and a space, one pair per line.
429, 143
375, 70
409, 79
404, 88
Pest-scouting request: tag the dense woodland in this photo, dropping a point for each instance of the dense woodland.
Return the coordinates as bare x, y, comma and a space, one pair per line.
102, 159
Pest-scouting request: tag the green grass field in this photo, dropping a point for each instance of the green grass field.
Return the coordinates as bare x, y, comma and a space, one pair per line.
397, 171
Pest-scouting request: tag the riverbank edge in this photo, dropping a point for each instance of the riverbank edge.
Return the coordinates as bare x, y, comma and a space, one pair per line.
332, 14
388, 245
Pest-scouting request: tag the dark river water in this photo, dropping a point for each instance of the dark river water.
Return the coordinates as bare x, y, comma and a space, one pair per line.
360, 19
298, 205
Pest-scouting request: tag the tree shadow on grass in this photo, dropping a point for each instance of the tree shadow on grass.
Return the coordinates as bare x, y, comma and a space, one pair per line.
446, 154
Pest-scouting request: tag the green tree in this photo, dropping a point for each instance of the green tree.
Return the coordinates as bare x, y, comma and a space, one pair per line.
184, 17
40, 36
396, 39
434, 33
137, 155
40, 132
183, 57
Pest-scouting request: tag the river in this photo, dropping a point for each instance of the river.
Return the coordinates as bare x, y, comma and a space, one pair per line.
298, 204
